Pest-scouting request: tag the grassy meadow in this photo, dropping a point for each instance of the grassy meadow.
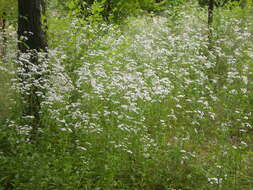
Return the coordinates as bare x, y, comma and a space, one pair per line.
150, 104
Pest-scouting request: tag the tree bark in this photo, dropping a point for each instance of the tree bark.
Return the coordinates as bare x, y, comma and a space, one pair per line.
31, 42
3, 37
30, 26
210, 21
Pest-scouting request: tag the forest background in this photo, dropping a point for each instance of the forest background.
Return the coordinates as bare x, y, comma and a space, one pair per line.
126, 94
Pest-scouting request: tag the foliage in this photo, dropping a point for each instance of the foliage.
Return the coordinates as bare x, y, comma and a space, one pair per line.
227, 3
8, 9
117, 10
145, 106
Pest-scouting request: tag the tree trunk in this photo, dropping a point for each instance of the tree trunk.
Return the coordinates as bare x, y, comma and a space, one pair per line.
30, 26
3, 41
210, 21
31, 42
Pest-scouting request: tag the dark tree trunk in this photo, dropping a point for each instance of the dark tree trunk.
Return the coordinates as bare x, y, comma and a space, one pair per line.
210, 11
30, 26
3, 37
32, 41
210, 21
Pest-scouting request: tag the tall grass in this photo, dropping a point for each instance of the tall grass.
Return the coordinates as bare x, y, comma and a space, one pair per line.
145, 106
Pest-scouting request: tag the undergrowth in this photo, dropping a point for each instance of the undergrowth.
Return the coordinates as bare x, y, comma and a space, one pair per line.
145, 106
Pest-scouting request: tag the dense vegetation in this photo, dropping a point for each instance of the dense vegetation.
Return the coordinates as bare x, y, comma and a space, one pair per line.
136, 95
